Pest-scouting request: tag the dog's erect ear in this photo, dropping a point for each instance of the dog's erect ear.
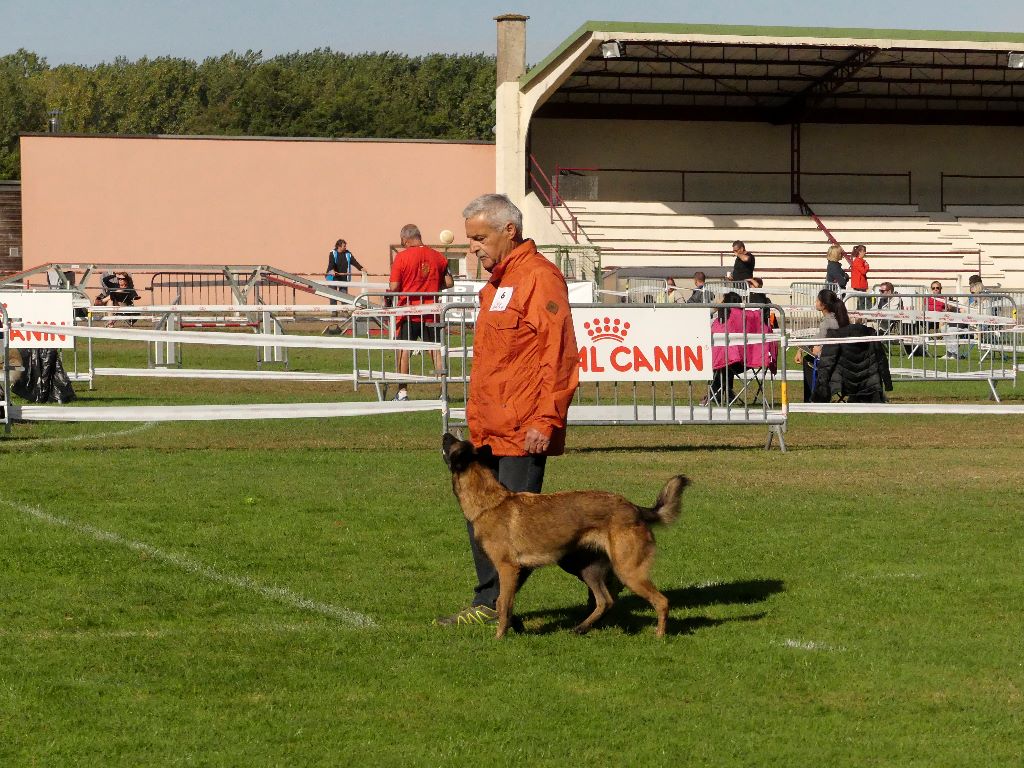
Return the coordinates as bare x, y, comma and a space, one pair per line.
458, 454
483, 453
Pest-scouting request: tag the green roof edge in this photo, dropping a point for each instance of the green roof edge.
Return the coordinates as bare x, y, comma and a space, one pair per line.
737, 29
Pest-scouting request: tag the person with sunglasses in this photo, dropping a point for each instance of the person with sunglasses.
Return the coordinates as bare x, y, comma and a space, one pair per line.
938, 303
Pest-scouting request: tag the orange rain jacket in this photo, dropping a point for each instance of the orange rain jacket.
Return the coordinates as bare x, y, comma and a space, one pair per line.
525, 360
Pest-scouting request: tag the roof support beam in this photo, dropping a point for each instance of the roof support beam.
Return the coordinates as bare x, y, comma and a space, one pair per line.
798, 106
866, 114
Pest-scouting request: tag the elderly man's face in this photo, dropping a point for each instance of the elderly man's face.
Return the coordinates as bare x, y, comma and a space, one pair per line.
489, 245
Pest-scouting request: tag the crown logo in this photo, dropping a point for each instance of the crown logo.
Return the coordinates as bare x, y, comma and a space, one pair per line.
606, 328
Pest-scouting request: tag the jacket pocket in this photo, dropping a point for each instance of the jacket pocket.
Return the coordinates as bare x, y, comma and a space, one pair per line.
506, 331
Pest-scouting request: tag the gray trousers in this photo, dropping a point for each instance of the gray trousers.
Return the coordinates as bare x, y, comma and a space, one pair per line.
517, 473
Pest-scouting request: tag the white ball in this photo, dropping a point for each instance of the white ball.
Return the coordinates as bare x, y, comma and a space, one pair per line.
447, 236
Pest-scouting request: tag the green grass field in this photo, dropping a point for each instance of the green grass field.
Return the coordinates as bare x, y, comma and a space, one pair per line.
243, 593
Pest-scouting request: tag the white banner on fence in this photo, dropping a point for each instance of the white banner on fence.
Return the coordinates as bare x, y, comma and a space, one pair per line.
44, 308
626, 343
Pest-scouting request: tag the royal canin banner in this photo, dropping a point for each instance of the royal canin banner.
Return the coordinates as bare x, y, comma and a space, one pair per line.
46, 308
626, 343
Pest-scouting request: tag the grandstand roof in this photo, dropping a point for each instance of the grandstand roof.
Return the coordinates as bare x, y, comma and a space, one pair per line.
782, 75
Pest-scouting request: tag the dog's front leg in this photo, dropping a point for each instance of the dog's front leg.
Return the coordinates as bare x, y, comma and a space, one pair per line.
508, 582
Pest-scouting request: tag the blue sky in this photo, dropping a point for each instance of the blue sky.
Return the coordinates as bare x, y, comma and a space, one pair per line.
88, 32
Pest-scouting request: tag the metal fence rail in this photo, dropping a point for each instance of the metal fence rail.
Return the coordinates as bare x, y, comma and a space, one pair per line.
188, 283
749, 390
5, 389
374, 317
947, 336
803, 317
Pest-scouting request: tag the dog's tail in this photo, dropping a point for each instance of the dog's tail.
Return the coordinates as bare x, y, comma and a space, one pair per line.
666, 508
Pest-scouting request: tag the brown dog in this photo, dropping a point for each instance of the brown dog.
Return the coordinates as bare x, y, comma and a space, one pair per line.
528, 530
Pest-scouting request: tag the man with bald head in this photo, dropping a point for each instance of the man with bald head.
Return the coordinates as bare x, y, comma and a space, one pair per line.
417, 269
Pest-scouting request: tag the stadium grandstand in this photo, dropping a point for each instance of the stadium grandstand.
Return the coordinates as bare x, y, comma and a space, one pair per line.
660, 144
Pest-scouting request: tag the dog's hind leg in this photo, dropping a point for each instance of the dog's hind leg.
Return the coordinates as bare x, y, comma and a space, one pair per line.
632, 555
646, 589
594, 576
508, 582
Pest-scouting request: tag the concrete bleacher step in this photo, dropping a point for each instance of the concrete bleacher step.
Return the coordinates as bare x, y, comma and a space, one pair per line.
696, 222
668, 207
900, 238
797, 250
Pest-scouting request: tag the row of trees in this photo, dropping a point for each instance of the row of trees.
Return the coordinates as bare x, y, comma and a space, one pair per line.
322, 93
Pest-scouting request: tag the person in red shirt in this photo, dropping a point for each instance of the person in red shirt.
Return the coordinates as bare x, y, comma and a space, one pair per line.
938, 303
417, 270
859, 274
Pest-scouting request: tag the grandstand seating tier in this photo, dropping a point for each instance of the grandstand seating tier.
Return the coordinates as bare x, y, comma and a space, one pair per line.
901, 240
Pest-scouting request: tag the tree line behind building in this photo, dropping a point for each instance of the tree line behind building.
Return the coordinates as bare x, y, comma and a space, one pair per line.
321, 93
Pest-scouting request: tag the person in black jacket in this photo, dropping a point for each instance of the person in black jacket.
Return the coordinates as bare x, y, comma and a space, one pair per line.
743, 265
858, 372
118, 291
340, 263
756, 295
834, 272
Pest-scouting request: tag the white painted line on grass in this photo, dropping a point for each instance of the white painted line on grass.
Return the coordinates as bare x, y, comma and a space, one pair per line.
87, 634
899, 575
255, 628
277, 594
810, 645
33, 442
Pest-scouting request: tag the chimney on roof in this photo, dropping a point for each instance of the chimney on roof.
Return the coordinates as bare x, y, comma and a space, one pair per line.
511, 47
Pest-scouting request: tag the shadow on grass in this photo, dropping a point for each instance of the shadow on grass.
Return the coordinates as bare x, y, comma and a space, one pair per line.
664, 448
623, 614
91, 398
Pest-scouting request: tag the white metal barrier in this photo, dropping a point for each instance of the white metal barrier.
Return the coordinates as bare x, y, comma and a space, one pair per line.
803, 317
714, 290
205, 412
947, 336
165, 358
647, 290
374, 315
5, 382
743, 385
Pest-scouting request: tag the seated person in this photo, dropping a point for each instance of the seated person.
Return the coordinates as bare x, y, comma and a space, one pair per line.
727, 362
699, 294
757, 295
859, 373
118, 291
939, 303
888, 299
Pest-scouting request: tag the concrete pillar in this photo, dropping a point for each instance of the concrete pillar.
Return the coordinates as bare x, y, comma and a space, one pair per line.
509, 135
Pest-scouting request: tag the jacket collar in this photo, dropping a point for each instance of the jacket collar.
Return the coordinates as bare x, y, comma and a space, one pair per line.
521, 252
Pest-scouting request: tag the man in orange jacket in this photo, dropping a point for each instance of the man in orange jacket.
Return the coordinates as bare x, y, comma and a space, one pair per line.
525, 369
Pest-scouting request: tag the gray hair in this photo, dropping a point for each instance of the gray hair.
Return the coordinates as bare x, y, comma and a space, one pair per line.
497, 211
410, 232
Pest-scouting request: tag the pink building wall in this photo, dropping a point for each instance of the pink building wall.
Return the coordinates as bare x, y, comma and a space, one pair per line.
281, 202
